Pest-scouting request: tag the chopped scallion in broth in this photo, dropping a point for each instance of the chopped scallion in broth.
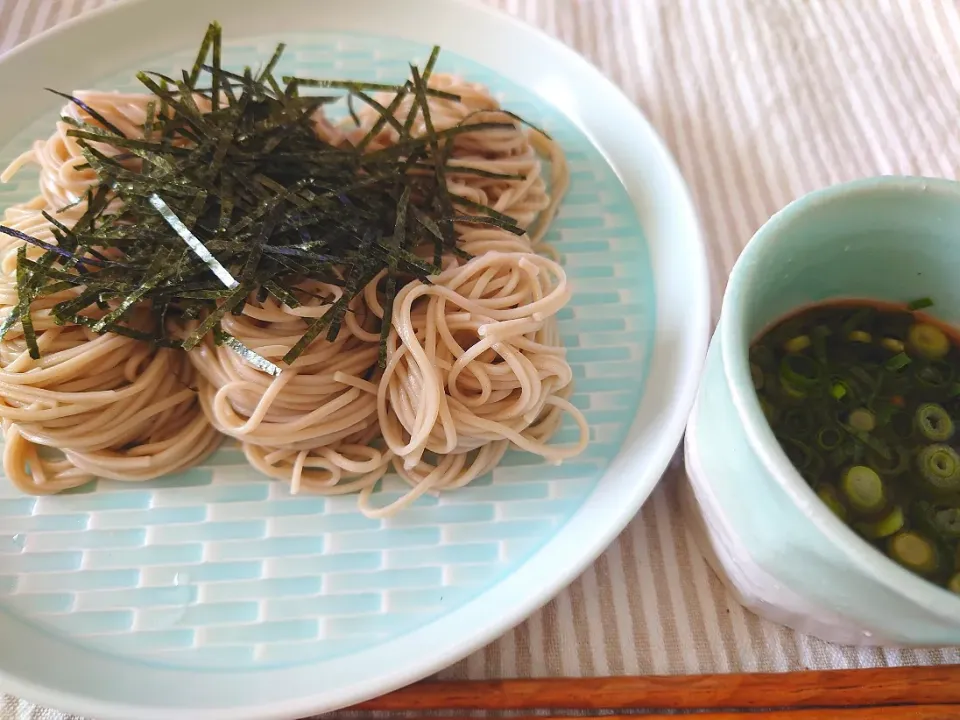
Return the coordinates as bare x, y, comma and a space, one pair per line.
864, 398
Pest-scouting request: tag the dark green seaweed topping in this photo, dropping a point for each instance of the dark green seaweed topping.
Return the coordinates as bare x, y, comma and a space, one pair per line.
245, 198
865, 403
23, 309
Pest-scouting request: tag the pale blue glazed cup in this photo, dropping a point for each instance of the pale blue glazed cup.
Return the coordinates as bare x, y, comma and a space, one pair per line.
780, 549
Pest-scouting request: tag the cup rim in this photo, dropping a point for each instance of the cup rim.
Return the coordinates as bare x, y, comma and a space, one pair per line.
734, 343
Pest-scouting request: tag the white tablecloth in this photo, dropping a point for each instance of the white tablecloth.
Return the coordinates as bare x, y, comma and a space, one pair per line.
760, 101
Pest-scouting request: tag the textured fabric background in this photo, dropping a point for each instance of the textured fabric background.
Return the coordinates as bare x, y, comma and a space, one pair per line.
760, 101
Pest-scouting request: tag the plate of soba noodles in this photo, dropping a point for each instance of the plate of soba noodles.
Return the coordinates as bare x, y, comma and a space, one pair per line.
335, 339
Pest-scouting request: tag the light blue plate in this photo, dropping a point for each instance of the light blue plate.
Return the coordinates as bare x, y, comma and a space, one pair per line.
217, 594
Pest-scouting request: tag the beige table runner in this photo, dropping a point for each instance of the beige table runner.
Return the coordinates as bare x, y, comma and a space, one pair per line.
760, 101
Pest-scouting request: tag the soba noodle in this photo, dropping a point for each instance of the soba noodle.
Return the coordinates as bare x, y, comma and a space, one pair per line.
112, 406
474, 363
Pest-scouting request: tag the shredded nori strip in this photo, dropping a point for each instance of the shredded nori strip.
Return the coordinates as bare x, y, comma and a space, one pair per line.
209, 207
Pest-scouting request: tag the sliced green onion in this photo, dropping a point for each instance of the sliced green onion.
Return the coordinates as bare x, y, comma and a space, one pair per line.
792, 390
934, 422
862, 419
935, 374
885, 411
800, 455
892, 344
797, 422
829, 497
953, 585
857, 319
897, 362
923, 517
838, 456
886, 526
838, 390
928, 341
829, 438
869, 381
920, 304
896, 464
914, 552
940, 466
808, 463
946, 521
871, 443
800, 371
863, 489
797, 344
857, 455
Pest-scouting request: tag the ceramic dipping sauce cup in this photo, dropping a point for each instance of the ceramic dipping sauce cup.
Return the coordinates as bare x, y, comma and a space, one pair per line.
783, 552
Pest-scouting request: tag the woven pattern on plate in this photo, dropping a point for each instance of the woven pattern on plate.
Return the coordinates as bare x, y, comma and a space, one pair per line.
220, 568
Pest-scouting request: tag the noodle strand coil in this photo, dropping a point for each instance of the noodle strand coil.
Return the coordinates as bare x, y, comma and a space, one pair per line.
474, 363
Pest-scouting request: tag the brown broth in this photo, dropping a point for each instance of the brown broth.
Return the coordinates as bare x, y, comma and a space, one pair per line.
879, 305
864, 398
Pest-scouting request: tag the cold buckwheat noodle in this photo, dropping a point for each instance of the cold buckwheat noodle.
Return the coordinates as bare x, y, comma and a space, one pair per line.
110, 406
474, 363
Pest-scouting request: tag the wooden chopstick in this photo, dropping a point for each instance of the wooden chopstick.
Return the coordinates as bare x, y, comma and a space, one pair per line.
897, 712
928, 686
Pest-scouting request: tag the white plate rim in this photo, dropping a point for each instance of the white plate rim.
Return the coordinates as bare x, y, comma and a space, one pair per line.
633, 475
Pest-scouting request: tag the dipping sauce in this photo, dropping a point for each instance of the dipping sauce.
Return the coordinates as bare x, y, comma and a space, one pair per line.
864, 398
